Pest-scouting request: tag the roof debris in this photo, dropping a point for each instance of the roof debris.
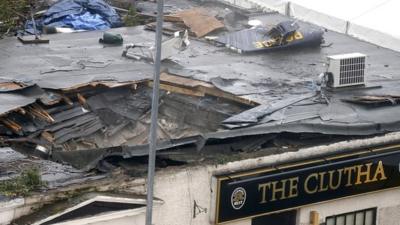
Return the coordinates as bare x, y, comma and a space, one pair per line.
170, 47
103, 117
375, 100
287, 34
80, 102
197, 20
6, 86
253, 116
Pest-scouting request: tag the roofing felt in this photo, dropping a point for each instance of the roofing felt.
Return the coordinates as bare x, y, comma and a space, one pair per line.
274, 80
12, 164
72, 59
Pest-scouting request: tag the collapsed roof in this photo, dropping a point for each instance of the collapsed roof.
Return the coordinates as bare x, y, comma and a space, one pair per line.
78, 101
286, 34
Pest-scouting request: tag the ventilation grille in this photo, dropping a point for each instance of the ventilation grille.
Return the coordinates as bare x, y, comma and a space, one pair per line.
347, 69
352, 70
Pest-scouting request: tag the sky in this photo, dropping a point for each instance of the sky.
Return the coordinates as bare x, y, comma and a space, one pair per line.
381, 15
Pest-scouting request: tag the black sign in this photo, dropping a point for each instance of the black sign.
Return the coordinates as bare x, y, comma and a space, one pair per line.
252, 194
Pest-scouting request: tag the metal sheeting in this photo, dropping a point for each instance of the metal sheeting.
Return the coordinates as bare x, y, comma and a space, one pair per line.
245, 40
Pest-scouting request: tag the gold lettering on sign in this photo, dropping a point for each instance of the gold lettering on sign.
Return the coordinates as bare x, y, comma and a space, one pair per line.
264, 191
338, 180
322, 185
363, 173
293, 183
349, 172
276, 189
279, 190
379, 172
322, 181
307, 187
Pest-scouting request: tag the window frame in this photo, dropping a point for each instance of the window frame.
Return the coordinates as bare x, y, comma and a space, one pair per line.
364, 211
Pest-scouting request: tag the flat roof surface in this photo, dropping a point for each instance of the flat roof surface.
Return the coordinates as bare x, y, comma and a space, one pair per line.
281, 82
77, 58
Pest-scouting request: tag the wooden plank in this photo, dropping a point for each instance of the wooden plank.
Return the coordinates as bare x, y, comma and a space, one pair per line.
81, 99
47, 136
12, 125
199, 22
183, 81
38, 111
11, 86
172, 18
200, 88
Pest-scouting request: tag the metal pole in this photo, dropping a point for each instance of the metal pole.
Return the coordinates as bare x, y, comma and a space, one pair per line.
154, 114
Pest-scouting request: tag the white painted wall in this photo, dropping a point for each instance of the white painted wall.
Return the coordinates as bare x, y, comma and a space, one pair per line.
389, 215
381, 15
8, 210
179, 189
130, 220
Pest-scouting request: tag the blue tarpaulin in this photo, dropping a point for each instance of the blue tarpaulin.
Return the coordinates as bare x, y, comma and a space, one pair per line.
82, 15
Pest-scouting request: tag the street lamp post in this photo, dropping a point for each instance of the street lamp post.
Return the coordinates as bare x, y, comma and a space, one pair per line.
154, 114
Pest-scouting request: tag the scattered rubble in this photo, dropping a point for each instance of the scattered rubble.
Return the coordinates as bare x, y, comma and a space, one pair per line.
111, 39
107, 116
375, 100
170, 47
286, 34
197, 20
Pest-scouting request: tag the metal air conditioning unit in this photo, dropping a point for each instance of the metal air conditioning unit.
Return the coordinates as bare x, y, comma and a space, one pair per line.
346, 70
